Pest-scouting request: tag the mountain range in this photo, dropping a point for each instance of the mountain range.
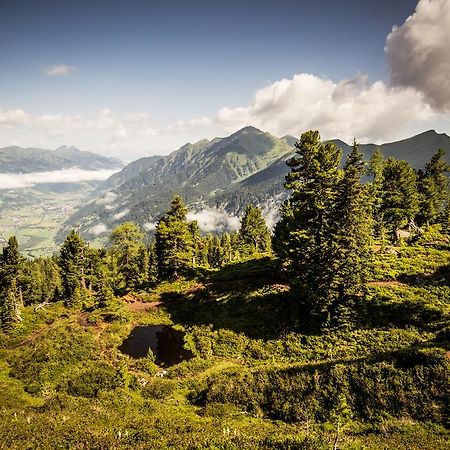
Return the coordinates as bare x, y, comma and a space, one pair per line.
222, 174
28, 160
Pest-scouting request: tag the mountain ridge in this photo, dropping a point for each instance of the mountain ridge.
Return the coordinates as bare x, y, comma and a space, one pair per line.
226, 173
15, 159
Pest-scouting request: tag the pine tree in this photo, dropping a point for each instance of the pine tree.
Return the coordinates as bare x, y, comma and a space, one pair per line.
152, 263
227, 250
353, 230
375, 170
40, 280
104, 293
215, 254
174, 242
127, 246
10, 293
433, 187
194, 229
305, 239
400, 196
72, 263
253, 233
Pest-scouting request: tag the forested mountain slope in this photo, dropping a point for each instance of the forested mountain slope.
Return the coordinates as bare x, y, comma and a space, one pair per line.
225, 173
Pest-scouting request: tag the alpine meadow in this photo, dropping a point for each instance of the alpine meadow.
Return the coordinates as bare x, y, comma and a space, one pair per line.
273, 275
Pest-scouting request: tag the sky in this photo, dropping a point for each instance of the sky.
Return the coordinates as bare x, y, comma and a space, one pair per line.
130, 78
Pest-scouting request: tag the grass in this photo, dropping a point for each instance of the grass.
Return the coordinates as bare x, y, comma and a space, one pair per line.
263, 377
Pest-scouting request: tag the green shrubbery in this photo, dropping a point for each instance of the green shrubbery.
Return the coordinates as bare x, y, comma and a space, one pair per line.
398, 386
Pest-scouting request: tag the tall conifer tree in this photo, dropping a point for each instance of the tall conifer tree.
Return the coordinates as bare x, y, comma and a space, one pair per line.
433, 189
72, 261
353, 229
174, 241
253, 233
10, 291
305, 237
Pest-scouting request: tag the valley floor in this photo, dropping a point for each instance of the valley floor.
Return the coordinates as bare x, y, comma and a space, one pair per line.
262, 376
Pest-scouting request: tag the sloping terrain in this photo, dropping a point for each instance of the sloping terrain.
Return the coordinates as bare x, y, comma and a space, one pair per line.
262, 376
226, 173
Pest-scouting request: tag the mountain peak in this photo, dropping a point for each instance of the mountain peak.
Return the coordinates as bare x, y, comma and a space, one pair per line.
248, 130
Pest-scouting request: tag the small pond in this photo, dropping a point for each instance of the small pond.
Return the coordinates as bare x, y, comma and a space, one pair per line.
165, 342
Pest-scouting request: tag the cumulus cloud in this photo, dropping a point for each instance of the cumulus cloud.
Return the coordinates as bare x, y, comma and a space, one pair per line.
418, 52
121, 214
107, 198
351, 108
59, 70
214, 220
149, 226
126, 136
98, 229
23, 180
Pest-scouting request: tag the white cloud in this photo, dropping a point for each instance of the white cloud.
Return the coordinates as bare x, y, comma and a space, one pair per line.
59, 70
98, 229
126, 136
22, 180
149, 226
13, 117
106, 199
121, 214
418, 52
416, 98
214, 220
352, 108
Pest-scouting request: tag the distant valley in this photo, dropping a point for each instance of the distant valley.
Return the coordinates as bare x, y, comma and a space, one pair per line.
40, 189
217, 178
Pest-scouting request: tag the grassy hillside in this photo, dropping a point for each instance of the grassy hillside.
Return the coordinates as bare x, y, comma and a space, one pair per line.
262, 376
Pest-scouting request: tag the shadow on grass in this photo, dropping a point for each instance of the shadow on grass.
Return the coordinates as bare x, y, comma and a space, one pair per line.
248, 297
253, 298
440, 277
383, 312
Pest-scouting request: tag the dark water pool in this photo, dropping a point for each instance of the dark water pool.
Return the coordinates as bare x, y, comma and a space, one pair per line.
166, 344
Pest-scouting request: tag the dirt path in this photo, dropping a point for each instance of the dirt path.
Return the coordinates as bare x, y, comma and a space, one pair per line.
138, 306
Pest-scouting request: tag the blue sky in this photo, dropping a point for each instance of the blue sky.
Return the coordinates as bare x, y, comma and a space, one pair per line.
119, 76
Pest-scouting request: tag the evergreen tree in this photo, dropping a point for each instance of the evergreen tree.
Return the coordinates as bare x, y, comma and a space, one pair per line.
196, 242
227, 250
400, 196
40, 280
10, 292
127, 246
72, 264
253, 233
353, 229
433, 189
104, 293
305, 238
174, 241
375, 170
152, 263
215, 254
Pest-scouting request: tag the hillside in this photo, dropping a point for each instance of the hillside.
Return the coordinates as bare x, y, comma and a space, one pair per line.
225, 173
201, 171
255, 374
27, 160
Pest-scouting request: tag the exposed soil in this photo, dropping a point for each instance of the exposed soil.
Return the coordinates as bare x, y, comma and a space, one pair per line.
142, 306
